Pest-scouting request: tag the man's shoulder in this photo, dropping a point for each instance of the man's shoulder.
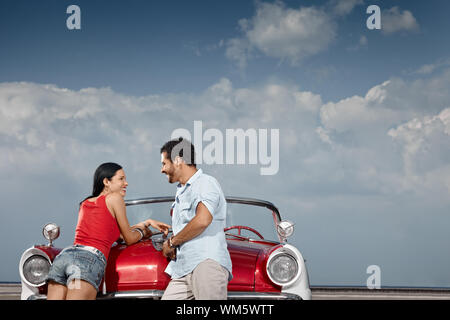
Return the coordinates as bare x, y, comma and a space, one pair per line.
206, 182
205, 178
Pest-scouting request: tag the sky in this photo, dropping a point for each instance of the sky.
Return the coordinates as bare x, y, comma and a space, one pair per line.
363, 117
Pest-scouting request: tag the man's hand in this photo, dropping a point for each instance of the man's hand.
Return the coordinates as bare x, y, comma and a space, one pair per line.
169, 252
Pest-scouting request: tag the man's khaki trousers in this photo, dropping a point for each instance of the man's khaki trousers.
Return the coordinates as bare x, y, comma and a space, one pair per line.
208, 281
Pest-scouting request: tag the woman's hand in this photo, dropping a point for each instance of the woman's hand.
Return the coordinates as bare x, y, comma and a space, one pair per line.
158, 225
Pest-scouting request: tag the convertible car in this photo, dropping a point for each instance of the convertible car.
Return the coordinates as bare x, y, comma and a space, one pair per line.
265, 266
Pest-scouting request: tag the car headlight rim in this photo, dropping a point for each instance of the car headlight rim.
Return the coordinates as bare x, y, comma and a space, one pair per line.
35, 270
287, 262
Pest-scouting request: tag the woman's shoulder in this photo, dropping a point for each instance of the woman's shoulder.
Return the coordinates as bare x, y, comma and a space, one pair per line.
114, 198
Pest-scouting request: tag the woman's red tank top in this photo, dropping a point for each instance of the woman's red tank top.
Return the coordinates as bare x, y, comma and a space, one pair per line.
96, 226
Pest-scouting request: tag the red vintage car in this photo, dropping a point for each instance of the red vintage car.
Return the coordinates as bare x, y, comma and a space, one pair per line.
265, 266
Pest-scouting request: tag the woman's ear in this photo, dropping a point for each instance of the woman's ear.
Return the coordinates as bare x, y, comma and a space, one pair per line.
106, 183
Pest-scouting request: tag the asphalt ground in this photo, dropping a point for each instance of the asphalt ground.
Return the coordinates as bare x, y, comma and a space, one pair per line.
10, 291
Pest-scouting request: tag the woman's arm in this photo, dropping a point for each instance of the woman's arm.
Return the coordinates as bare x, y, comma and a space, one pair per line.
116, 205
158, 225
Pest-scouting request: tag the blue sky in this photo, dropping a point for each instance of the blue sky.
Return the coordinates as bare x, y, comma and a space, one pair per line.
160, 47
363, 117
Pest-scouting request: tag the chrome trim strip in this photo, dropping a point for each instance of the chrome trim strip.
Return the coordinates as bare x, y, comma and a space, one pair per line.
157, 294
255, 202
237, 295
37, 297
232, 295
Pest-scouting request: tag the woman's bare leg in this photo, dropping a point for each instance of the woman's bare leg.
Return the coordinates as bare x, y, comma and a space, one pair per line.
56, 291
81, 290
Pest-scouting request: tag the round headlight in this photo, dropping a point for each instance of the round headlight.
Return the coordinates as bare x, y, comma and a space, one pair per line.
282, 268
35, 269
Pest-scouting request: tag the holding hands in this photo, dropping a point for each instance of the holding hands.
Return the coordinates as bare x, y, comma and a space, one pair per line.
158, 225
168, 250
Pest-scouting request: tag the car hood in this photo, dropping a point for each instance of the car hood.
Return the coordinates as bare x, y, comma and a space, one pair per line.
141, 267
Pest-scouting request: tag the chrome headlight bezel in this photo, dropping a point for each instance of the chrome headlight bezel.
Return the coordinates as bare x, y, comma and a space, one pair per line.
275, 258
27, 255
35, 270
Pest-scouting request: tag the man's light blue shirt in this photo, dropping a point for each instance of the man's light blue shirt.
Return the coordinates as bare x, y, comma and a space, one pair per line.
211, 243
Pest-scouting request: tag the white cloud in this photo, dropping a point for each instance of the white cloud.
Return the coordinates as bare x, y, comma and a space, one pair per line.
431, 67
426, 69
360, 129
289, 34
323, 134
239, 51
358, 113
426, 143
393, 20
282, 33
47, 127
344, 7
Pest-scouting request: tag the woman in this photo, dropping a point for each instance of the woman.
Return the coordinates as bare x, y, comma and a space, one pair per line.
77, 271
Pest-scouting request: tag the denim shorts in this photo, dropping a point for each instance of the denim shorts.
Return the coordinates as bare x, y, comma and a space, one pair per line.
78, 263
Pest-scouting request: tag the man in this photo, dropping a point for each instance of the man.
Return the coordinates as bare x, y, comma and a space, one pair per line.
201, 265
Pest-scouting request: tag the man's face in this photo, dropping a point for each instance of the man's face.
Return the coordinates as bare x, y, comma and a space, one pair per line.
168, 168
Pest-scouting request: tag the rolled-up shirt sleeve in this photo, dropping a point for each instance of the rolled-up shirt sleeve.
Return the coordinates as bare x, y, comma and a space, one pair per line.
208, 194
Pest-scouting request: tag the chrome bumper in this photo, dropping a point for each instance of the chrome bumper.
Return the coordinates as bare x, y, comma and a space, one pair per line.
232, 295
37, 297
157, 294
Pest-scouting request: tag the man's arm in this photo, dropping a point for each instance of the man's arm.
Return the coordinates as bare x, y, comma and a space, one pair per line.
196, 226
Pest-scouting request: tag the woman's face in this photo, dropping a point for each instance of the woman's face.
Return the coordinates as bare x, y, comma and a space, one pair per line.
118, 183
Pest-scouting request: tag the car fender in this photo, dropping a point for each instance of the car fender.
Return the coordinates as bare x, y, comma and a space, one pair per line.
301, 286
29, 289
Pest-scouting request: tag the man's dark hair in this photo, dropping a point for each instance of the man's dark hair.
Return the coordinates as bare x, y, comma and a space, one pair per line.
180, 147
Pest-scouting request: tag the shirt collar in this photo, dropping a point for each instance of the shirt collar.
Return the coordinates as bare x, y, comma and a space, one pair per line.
191, 180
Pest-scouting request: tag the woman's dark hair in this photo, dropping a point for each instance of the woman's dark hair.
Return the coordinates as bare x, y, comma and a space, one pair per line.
105, 170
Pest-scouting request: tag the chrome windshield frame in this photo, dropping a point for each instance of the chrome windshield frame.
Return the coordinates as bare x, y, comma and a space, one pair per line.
248, 201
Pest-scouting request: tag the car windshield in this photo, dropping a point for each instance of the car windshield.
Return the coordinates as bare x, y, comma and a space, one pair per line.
260, 219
